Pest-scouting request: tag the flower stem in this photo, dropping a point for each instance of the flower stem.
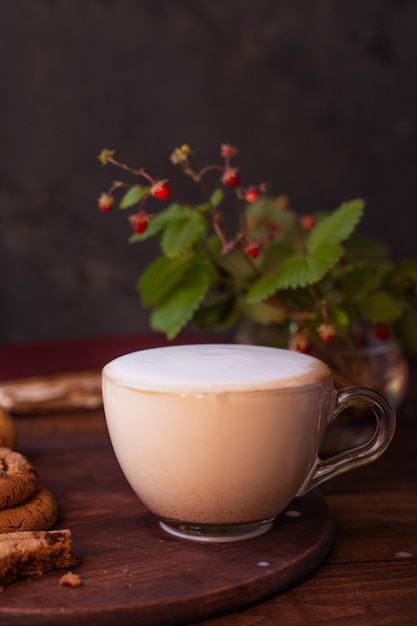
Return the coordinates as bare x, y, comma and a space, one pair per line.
123, 166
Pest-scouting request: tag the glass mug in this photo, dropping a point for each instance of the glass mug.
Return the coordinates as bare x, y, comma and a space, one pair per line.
217, 439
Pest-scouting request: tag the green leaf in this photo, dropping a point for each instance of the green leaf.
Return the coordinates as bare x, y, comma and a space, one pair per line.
235, 264
323, 251
296, 271
361, 247
216, 197
338, 315
264, 313
266, 212
362, 279
204, 208
174, 211
166, 218
161, 277
214, 245
407, 267
380, 308
402, 278
173, 313
153, 229
277, 251
337, 226
158, 223
324, 260
219, 310
132, 196
180, 234
406, 330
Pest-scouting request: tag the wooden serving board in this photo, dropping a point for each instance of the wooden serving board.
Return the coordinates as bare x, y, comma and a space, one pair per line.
132, 571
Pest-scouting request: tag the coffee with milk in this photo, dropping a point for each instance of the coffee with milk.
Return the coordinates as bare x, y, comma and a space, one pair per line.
217, 439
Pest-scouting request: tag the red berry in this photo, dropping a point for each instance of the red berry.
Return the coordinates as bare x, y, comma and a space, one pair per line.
231, 177
228, 151
251, 195
308, 222
139, 222
327, 332
252, 250
161, 190
300, 343
105, 202
382, 331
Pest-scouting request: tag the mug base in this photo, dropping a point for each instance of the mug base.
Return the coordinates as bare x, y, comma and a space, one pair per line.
213, 533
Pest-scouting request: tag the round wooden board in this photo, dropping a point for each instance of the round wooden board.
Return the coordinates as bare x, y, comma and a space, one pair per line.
133, 572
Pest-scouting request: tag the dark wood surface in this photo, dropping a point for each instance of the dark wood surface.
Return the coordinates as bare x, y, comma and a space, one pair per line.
132, 571
369, 576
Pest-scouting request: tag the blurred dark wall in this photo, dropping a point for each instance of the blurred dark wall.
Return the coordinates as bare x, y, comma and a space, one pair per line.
320, 97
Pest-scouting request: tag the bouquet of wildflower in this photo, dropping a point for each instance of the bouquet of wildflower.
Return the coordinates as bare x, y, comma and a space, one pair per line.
311, 277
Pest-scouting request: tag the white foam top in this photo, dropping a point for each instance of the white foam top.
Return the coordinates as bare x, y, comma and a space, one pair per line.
214, 368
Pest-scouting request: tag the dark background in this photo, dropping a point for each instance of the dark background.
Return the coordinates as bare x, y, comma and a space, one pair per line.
319, 95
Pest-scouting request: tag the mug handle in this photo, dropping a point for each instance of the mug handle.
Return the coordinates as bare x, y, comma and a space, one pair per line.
360, 455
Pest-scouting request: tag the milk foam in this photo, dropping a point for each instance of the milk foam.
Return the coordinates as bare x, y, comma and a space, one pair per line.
215, 368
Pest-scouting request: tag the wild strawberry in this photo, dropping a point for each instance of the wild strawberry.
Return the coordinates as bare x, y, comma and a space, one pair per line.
327, 332
161, 190
139, 222
231, 177
252, 250
105, 202
227, 151
251, 195
307, 222
382, 331
300, 343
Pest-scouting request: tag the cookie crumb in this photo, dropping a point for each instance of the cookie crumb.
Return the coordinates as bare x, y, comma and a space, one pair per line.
70, 580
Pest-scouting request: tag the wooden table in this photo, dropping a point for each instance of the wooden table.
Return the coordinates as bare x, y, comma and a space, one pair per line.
370, 574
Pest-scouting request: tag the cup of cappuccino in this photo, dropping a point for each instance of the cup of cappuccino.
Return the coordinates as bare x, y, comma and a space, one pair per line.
217, 439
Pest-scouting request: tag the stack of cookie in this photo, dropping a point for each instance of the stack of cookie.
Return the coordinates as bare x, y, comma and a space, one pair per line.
27, 512
24, 503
